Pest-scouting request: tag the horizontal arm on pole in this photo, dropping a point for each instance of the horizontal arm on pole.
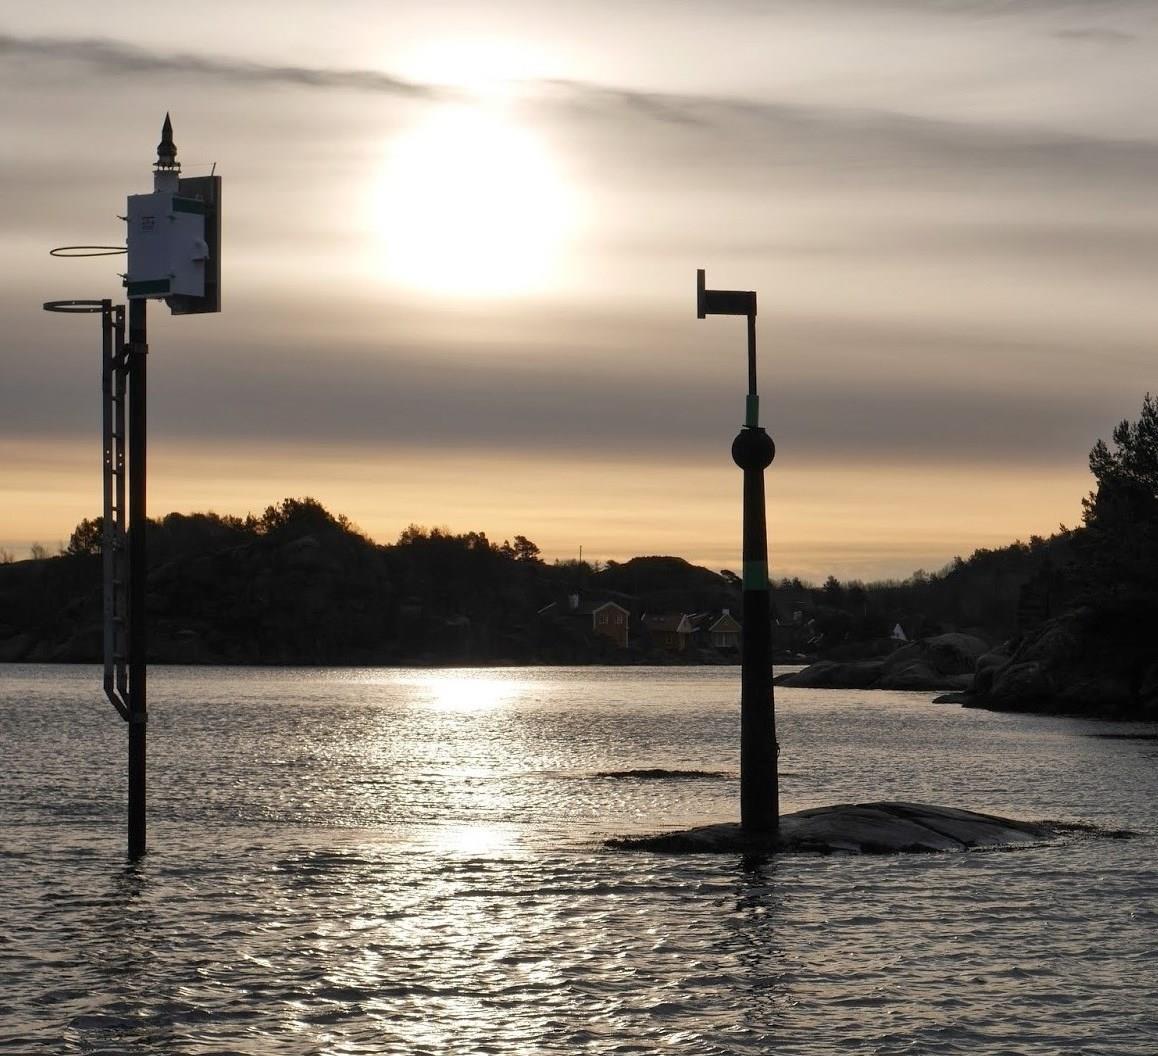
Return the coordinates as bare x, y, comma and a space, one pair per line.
722, 302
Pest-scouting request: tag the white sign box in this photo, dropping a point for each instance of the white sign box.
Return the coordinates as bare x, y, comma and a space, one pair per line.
167, 249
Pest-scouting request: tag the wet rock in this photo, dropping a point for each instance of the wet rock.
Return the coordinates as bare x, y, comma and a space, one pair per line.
854, 828
918, 675
1071, 665
945, 661
988, 665
1023, 681
831, 674
944, 654
913, 673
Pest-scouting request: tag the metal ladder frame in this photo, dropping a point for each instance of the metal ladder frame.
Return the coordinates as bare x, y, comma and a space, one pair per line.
114, 541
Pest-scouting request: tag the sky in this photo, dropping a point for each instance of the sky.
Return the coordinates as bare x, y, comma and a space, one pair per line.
459, 254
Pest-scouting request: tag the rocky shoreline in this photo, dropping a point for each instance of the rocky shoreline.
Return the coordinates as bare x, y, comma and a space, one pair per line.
1080, 663
946, 661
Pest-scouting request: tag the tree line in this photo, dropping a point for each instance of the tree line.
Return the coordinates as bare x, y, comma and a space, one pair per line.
298, 583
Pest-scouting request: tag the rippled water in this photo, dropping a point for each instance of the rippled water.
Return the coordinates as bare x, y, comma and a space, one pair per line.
383, 861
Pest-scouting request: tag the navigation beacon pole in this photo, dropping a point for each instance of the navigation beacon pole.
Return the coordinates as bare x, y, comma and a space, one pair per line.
753, 451
166, 178
173, 245
136, 363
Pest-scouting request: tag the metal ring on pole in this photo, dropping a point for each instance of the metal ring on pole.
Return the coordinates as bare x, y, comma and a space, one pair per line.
87, 251
74, 306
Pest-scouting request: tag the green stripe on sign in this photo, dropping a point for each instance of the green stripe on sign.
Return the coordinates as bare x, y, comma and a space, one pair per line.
755, 575
188, 205
149, 286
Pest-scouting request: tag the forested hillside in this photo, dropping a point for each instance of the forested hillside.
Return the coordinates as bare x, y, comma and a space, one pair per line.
297, 584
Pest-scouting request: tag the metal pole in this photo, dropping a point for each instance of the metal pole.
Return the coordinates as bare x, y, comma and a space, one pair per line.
753, 451
119, 587
110, 352
751, 363
138, 571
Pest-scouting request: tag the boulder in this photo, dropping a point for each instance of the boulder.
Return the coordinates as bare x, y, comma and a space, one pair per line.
1094, 694
988, 665
944, 654
1056, 641
920, 676
1021, 682
914, 673
831, 674
1070, 665
945, 661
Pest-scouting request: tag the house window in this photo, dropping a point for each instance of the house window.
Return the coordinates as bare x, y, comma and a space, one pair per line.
619, 619
603, 618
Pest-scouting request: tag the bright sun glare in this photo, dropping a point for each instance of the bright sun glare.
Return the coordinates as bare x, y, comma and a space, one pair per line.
457, 691
471, 203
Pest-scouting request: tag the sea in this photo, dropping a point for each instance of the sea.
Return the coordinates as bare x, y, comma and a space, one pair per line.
406, 861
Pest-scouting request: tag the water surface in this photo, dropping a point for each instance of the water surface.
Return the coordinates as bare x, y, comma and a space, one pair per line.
405, 861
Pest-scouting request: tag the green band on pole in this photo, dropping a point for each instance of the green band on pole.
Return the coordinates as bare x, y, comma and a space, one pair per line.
755, 575
752, 411
145, 287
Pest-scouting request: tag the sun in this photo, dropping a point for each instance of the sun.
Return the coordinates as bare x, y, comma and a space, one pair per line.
472, 203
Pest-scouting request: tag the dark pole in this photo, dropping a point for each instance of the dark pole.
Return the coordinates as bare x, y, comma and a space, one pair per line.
138, 571
752, 451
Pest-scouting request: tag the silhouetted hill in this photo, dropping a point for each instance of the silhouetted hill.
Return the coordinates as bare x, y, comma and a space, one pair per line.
1098, 654
1077, 612
994, 594
669, 584
300, 585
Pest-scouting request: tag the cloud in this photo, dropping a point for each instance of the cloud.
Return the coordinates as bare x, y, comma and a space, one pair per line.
119, 58
788, 128
430, 398
1097, 35
1113, 248
665, 107
1016, 8
899, 405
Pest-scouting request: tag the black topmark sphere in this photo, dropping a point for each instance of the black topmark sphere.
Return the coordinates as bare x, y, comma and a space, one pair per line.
753, 448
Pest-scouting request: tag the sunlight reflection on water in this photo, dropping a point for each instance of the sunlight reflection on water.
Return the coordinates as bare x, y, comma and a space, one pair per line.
464, 690
472, 840
341, 862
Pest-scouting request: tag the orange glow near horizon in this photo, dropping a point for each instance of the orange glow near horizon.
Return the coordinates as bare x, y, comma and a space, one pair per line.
459, 248
850, 522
